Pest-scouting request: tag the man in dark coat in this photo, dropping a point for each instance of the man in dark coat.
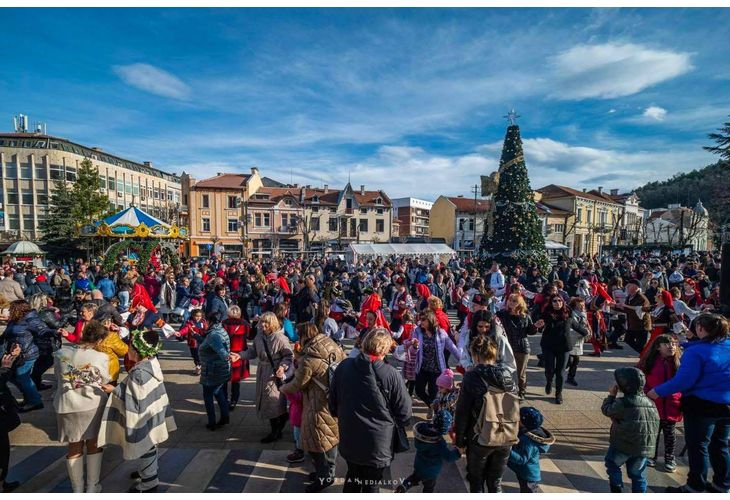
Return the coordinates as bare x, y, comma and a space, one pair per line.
370, 399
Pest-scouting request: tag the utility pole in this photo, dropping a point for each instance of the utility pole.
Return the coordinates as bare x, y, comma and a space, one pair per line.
475, 190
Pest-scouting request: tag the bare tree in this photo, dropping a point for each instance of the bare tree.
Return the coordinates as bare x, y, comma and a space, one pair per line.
305, 225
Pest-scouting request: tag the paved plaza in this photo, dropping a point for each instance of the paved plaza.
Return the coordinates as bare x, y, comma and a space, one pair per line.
233, 460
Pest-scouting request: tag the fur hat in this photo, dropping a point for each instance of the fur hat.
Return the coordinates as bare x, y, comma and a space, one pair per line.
530, 418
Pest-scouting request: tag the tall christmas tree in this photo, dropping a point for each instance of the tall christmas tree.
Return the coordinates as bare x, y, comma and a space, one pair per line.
515, 237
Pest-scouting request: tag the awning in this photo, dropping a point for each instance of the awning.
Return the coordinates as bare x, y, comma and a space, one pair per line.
400, 249
554, 245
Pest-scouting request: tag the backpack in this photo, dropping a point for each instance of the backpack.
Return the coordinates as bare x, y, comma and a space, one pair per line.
332, 365
499, 419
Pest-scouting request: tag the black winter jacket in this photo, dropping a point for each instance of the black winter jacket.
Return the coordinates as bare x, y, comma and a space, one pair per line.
47, 345
517, 329
366, 425
469, 404
25, 333
556, 334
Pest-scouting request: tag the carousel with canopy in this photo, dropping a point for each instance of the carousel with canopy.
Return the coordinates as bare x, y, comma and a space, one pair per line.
138, 236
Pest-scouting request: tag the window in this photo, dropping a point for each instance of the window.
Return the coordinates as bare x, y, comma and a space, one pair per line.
27, 198
314, 223
267, 221
379, 211
25, 171
232, 202
28, 222
579, 217
13, 197
169, 196
315, 209
206, 201
589, 216
378, 201
56, 172
559, 228
40, 171
332, 226
232, 225
363, 211
363, 225
13, 222
315, 199
205, 226
461, 224
102, 182
471, 224
42, 198
288, 202
380, 226
284, 220
71, 174
110, 181
120, 186
262, 220
10, 171
128, 187
257, 220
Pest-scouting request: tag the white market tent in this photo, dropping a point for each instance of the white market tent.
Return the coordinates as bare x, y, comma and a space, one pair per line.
554, 245
25, 252
435, 251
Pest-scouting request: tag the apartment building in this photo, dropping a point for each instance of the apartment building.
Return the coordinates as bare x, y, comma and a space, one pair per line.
412, 215
459, 221
32, 162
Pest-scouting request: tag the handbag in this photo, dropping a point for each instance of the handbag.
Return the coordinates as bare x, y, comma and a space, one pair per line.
400, 441
289, 372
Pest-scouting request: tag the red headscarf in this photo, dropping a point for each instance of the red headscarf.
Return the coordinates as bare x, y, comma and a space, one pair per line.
423, 290
140, 297
668, 300
372, 303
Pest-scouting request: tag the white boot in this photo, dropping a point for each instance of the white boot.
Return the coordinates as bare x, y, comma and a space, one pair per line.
75, 467
93, 470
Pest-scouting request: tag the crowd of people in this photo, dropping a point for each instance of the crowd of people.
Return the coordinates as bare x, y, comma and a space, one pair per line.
343, 350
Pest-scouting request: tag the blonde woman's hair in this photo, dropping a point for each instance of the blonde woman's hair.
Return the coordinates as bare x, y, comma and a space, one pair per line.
234, 312
378, 342
521, 307
483, 350
434, 303
38, 301
270, 322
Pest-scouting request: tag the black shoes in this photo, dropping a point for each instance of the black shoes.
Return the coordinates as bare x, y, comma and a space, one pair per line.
10, 486
271, 437
232, 405
616, 489
26, 409
572, 382
549, 387
558, 399
318, 485
223, 422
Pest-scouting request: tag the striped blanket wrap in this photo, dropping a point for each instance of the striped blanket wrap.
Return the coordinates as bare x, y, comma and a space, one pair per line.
138, 415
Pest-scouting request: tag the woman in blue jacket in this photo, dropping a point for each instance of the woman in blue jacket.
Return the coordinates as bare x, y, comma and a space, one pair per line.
215, 353
702, 379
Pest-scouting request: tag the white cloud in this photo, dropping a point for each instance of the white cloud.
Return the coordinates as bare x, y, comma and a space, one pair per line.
613, 70
655, 113
153, 80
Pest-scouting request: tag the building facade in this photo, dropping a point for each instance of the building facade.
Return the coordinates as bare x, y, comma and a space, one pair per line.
633, 221
459, 221
32, 162
596, 221
679, 226
214, 210
412, 215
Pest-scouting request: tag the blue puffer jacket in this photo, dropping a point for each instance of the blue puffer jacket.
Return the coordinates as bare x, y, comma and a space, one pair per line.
524, 458
703, 373
215, 351
26, 332
431, 451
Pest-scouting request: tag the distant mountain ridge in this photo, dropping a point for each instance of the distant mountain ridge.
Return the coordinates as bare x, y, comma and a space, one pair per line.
710, 184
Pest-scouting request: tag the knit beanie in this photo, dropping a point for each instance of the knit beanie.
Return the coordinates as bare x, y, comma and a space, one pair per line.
442, 422
530, 418
446, 379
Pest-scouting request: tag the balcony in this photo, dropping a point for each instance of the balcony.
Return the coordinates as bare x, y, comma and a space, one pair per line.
349, 211
287, 229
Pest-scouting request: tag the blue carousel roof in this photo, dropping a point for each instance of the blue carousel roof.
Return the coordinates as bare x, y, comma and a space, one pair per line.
133, 217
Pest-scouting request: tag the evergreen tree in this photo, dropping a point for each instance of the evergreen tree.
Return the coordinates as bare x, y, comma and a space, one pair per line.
59, 226
516, 236
90, 204
723, 142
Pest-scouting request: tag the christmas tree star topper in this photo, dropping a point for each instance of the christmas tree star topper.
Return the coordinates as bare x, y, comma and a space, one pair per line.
512, 116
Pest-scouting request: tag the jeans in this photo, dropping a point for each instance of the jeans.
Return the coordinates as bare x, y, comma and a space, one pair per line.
636, 339
42, 364
324, 462
362, 479
668, 429
635, 468
219, 393
297, 434
195, 355
21, 378
521, 360
429, 483
707, 445
573, 361
485, 464
426, 394
123, 300
555, 365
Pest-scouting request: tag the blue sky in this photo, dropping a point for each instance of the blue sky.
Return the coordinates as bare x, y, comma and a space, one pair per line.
407, 100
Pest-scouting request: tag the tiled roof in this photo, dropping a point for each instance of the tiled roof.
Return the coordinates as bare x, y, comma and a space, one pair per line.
467, 204
553, 210
555, 191
224, 181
